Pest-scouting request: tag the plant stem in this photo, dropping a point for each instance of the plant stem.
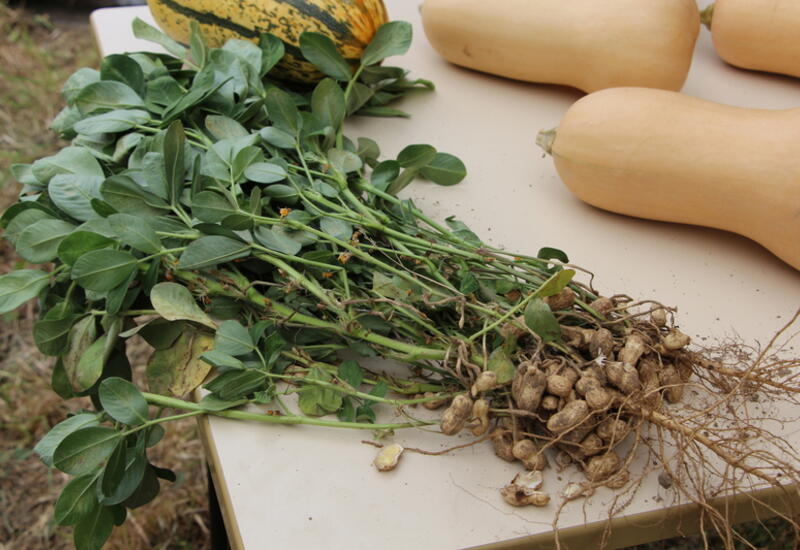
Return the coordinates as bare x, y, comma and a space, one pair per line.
197, 409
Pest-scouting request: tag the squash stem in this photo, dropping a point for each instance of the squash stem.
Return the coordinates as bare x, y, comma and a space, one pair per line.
707, 15
545, 140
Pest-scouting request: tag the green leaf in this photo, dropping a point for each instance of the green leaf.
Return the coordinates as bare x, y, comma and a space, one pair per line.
223, 127
384, 112
211, 251
90, 365
175, 302
197, 44
283, 112
501, 364
277, 138
274, 239
47, 445
315, 400
135, 232
74, 193
115, 121
173, 151
76, 501
50, 335
146, 491
114, 471
39, 242
234, 339
445, 169
19, 286
212, 207
22, 220
80, 337
328, 104
84, 450
380, 389
107, 95
135, 464
123, 68
125, 195
236, 384
392, 38
77, 82
344, 161
359, 95
547, 253
416, 156
69, 160
321, 51
541, 320
78, 243
145, 31
351, 372
336, 228
463, 232
102, 270
220, 360
556, 283
347, 412
59, 382
469, 283
92, 532
123, 401
272, 50
384, 174
368, 149
265, 172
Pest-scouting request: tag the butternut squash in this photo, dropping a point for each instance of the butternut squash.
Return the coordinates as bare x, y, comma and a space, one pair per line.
666, 156
762, 35
586, 44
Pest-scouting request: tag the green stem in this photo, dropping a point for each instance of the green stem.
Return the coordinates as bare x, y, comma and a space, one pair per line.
197, 409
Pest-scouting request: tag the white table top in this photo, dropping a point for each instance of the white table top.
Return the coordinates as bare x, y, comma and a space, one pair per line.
306, 487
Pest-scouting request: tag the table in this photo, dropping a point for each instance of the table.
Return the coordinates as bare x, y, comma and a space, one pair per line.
304, 487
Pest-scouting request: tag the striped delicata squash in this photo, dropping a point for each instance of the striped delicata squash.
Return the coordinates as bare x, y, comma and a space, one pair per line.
351, 24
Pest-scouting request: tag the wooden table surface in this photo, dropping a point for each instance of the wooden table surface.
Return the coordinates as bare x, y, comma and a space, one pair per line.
306, 487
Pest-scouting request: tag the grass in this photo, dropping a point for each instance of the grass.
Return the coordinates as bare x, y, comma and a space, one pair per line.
36, 56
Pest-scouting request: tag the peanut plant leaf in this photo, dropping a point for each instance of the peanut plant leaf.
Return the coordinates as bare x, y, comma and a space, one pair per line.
444, 169
212, 250
541, 320
123, 401
77, 500
107, 95
392, 38
135, 232
93, 530
175, 302
501, 364
47, 445
78, 243
322, 52
84, 450
234, 339
19, 286
103, 270
179, 369
89, 367
556, 283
